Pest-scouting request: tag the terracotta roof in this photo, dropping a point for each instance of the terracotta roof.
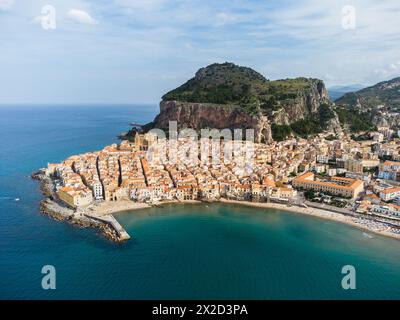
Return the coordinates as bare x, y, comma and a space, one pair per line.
389, 163
306, 178
390, 190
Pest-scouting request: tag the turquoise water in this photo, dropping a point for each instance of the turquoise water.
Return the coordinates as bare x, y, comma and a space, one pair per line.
182, 251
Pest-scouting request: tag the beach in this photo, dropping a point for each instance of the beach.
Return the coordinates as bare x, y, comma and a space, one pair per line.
105, 208
108, 208
376, 227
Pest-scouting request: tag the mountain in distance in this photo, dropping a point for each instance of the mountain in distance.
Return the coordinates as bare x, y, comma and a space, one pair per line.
231, 96
380, 103
336, 92
386, 94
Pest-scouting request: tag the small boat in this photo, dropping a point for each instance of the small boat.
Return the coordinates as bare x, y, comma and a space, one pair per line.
16, 199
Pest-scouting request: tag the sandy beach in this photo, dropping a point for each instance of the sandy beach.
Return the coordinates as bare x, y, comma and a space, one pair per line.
376, 227
107, 208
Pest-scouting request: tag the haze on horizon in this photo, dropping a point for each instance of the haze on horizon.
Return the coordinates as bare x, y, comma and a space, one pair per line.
131, 51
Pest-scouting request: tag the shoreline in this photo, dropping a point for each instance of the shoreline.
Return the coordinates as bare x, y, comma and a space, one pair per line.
315, 212
91, 215
110, 208
310, 211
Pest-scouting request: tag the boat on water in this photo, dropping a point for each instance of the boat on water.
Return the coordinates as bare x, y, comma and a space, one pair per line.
9, 198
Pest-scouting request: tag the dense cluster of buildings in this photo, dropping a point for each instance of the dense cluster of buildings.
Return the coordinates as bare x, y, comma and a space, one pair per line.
341, 168
122, 172
389, 170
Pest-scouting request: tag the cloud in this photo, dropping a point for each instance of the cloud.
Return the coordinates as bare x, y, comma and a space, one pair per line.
142, 4
224, 18
6, 4
175, 37
81, 16
37, 20
390, 71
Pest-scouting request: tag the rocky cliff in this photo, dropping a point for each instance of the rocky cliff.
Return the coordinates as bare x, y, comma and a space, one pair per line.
305, 102
228, 96
379, 104
205, 115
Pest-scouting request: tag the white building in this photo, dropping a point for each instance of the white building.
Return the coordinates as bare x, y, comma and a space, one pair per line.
97, 190
389, 194
391, 210
322, 158
332, 172
319, 168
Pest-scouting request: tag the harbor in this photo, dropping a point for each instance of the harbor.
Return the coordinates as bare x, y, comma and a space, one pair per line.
121, 233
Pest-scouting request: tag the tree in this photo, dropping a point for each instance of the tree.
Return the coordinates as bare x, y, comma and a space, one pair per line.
309, 194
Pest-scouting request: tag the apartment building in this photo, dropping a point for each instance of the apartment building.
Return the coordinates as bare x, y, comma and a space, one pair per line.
344, 187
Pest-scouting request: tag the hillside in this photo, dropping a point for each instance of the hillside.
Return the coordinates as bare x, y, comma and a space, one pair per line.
385, 94
230, 96
219, 83
378, 105
230, 84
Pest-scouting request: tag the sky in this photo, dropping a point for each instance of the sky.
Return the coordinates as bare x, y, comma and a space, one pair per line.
134, 51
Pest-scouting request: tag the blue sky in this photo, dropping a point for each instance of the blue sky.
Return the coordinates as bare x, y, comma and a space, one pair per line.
133, 51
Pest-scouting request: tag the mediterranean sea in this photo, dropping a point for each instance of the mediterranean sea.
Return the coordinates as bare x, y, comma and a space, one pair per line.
206, 251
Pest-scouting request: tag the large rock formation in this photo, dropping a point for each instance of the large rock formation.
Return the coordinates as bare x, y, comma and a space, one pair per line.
303, 103
214, 116
228, 96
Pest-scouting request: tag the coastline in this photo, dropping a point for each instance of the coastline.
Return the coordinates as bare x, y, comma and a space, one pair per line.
122, 206
108, 208
98, 215
319, 213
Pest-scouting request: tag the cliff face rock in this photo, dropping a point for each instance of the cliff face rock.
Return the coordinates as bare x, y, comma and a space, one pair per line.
333, 125
214, 116
384, 119
229, 96
303, 104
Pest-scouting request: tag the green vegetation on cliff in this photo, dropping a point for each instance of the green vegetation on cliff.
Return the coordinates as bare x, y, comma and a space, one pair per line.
228, 83
280, 132
218, 83
354, 119
298, 106
310, 125
385, 93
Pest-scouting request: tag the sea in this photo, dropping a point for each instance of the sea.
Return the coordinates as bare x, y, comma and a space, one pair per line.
182, 251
